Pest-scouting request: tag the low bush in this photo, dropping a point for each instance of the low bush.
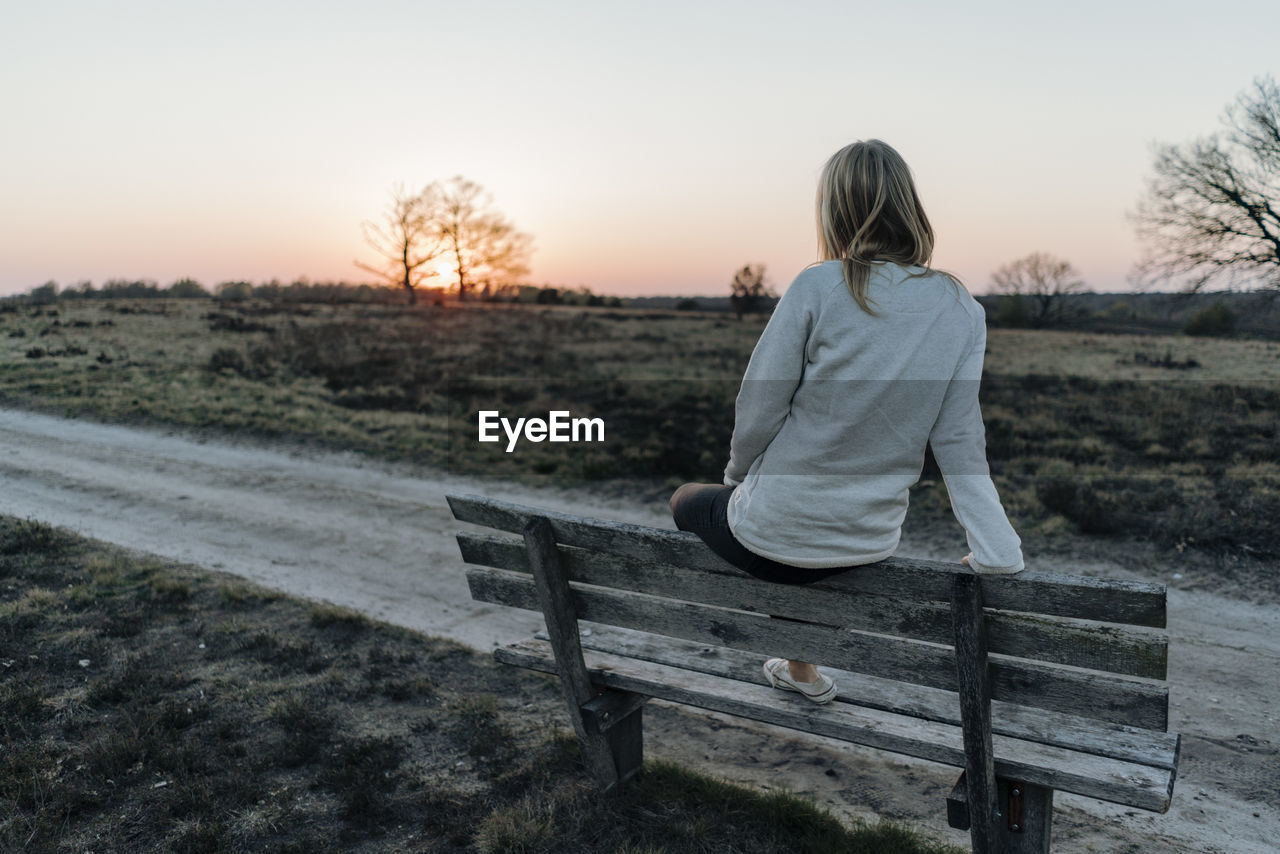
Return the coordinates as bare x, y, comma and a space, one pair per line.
1013, 313
1216, 320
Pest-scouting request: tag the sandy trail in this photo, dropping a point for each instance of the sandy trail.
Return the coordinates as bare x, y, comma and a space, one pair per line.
379, 538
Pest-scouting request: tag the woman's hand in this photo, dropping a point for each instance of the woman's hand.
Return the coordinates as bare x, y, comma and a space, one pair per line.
965, 560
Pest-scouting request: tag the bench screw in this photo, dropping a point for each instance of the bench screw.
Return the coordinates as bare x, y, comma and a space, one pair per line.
1015, 827
1015, 791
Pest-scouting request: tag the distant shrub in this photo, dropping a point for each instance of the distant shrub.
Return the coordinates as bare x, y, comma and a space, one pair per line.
1013, 313
125, 289
45, 294
1165, 361
219, 322
1118, 310
228, 358
1059, 489
688, 305
1215, 320
234, 291
186, 289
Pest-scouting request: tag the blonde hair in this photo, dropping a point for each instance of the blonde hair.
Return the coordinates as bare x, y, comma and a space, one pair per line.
868, 211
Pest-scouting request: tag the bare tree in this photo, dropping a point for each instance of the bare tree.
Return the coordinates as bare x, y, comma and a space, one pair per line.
1212, 208
748, 290
1043, 282
485, 248
407, 239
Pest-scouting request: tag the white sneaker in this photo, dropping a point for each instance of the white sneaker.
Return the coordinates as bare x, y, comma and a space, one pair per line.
778, 676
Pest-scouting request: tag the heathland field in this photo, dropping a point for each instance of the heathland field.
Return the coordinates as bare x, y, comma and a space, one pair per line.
1164, 440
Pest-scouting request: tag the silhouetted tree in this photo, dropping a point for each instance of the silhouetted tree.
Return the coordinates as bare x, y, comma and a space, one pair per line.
408, 239
486, 249
1212, 208
1042, 282
748, 290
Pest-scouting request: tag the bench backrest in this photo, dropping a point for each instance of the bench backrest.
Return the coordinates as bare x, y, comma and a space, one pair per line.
1084, 646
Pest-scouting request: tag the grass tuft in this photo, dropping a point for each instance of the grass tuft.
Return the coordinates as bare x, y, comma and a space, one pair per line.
29, 535
326, 615
480, 728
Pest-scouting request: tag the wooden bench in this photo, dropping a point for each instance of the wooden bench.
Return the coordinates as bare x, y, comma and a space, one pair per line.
1029, 683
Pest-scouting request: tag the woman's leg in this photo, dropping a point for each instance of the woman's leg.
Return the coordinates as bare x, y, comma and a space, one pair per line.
702, 509
802, 671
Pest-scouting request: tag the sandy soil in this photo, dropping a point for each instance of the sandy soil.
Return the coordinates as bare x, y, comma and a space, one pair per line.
380, 538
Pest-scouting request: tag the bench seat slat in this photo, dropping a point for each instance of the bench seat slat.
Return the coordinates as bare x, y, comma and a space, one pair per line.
1107, 779
1117, 649
1115, 741
1059, 689
1103, 600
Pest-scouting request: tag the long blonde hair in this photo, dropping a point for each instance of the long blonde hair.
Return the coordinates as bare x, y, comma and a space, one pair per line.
868, 211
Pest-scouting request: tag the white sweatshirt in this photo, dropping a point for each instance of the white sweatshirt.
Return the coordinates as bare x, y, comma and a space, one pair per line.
836, 409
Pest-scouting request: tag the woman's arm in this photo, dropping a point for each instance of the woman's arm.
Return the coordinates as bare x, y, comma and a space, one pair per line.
774, 372
959, 445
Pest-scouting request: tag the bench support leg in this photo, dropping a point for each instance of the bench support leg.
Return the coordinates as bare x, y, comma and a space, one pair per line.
974, 682
626, 743
1030, 817
1027, 810
619, 717
614, 753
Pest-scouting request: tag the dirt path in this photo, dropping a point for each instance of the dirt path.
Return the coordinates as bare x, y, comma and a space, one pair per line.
380, 538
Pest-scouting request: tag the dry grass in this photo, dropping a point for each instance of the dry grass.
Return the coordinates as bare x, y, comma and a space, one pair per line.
1047, 352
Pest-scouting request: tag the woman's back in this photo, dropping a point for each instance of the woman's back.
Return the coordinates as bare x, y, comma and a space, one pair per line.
837, 407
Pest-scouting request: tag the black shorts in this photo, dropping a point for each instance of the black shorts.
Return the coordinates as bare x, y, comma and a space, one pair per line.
703, 509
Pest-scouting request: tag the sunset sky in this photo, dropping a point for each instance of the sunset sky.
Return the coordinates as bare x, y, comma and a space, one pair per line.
648, 147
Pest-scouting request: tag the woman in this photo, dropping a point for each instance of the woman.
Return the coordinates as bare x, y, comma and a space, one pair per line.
869, 357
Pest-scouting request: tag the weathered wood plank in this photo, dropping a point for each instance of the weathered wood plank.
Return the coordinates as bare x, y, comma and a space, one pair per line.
1094, 646
1044, 686
557, 605
1103, 600
1117, 741
975, 711
1112, 780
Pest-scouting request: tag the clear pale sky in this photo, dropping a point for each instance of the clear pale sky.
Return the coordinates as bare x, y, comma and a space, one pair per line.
649, 147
